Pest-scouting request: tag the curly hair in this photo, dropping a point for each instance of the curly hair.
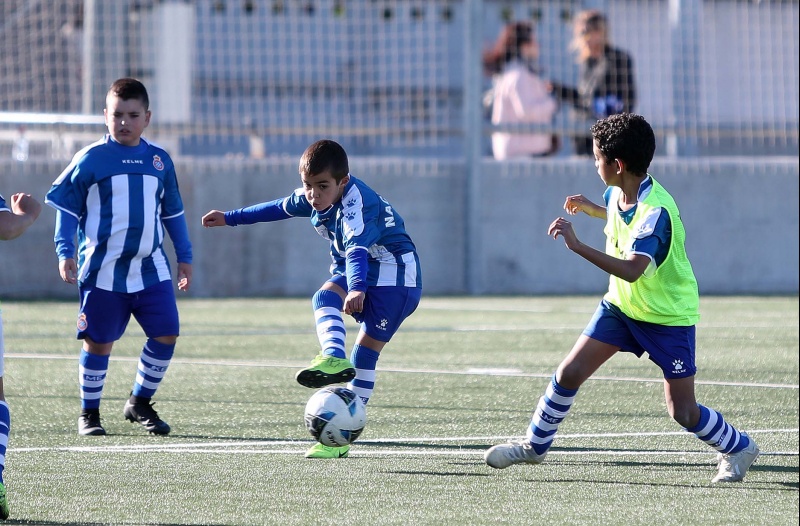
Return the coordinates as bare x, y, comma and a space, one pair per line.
628, 137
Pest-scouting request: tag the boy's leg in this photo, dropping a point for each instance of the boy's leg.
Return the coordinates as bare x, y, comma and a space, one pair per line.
5, 427
102, 319
737, 451
385, 309
331, 365
157, 312
586, 357
365, 359
92, 371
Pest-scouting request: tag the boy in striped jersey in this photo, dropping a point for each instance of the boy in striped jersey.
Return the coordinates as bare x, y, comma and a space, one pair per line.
651, 305
375, 275
14, 220
119, 195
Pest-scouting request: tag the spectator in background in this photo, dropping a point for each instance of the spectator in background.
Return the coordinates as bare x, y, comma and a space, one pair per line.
606, 83
519, 95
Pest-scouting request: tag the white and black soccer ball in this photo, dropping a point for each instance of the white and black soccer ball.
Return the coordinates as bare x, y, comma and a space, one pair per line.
335, 416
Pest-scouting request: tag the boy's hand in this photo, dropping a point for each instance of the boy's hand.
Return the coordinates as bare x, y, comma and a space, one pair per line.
354, 302
579, 203
575, 204
24, 204
184, 276
68, 270
214, 218
562, 227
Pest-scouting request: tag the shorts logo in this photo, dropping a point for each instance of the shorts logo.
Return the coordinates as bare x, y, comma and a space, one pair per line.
382, 324
158, 164
82, 323
677, 366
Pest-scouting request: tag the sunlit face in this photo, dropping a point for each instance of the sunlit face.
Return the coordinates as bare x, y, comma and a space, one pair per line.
606, 169
125, 119
594, 40
321, 190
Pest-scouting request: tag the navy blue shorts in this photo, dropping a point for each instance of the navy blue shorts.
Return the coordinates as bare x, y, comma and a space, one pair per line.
104, 315
671, 348
385, 308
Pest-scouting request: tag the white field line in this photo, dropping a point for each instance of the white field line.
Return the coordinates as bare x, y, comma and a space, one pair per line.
273, 446
467, 372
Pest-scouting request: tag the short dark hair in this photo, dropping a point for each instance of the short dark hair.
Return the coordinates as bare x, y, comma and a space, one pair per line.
628, 137
325, 155
129, 88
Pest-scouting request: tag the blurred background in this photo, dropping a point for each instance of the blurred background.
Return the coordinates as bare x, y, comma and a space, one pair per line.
239, 88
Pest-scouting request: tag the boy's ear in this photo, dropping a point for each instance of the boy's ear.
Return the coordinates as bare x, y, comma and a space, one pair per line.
345, 180
620, 165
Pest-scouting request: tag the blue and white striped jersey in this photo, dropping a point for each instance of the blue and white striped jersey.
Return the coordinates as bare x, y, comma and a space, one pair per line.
364, 219
3, 205
122, 197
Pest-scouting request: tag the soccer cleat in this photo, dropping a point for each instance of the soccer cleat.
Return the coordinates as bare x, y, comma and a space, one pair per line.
144, 414
514, 452
732, 467
89, 424
326, 370
323, 451
3, 502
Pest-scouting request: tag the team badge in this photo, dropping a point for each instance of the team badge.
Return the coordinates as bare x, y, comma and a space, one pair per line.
82, 323
158, 164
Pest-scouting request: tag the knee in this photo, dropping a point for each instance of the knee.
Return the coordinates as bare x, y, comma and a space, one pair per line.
686, 416
167, 340
570, 376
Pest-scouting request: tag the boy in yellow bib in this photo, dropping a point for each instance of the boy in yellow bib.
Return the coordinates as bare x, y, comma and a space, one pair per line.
651, 305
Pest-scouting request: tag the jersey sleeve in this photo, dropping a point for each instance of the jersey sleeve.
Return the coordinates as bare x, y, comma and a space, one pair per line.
653, 238
68, 192
172, 204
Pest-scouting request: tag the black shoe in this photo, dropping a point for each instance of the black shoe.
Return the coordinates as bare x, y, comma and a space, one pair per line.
143, 413
89, 424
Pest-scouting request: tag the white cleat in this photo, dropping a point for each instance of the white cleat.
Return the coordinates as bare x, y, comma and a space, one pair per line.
732, 467
514, 452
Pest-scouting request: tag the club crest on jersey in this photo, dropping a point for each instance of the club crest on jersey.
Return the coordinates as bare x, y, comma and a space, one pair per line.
82, 323
158, 164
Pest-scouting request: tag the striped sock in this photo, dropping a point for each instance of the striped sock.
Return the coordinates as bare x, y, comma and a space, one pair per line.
330, 326
717, 433
5, 426
92, 369
365, 361
153, 363
551, 410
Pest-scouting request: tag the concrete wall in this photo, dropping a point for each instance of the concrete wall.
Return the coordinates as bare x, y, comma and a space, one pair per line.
741, 218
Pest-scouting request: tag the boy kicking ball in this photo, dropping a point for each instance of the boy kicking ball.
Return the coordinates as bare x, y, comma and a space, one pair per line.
375, 275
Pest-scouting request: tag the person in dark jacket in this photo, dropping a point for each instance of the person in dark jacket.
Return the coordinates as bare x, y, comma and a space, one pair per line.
606, 80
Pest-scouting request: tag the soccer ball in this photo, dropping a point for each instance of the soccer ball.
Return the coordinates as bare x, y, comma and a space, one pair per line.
335, 416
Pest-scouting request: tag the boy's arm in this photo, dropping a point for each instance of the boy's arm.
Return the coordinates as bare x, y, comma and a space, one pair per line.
64, 238
579, 203
356, 269
24, 211
629, 269
260, 213
178, 232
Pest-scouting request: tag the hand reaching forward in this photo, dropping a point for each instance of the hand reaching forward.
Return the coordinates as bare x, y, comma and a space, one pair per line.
214, 218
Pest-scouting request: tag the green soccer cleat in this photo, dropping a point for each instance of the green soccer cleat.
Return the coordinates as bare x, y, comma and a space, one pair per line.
3, 502
322, 451
326, 370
